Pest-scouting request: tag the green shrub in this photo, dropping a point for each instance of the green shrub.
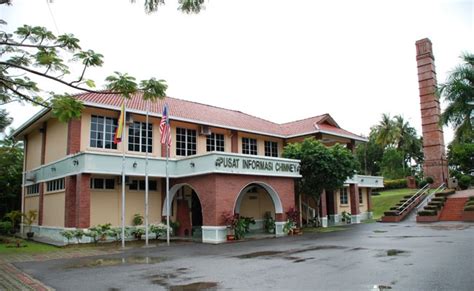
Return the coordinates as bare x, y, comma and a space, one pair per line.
464, 182
471, 198
391, 213
427, 213
375, 194
445, 193
429, 180
408, 196
470, 202
395, 184
422, 184
5, 227
432, 207
442, 199
469, 208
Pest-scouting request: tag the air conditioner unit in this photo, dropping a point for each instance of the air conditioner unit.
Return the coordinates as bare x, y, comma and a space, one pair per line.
129, 118
30, 177
205, 130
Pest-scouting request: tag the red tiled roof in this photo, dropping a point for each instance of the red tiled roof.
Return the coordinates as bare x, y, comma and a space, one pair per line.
220, 117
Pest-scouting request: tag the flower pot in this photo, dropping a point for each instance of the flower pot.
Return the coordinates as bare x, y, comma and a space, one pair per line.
30, 234
230, 237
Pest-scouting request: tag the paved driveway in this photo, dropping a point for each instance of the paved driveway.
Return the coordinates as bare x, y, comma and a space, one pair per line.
365, 257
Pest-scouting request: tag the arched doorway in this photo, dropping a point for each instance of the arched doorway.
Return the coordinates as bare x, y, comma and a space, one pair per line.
255, 200
186, 209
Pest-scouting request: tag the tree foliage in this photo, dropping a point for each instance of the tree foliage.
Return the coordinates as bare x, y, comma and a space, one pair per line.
321, 167
32, 54
11, 165
458, 92
461, 157
370, 156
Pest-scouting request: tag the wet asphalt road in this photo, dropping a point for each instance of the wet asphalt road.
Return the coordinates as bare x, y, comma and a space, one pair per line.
372, 256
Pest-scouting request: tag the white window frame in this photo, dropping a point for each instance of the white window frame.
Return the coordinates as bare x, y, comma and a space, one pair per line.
141, 184
249, 146
213, 142
103, 132
141, 137
104, 183
189, 135
271, 148
55, 185
344, 195
32, 189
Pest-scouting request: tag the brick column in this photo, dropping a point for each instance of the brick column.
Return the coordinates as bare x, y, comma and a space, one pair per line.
70, 202
83, 201
354, 194
43, 130
369, 199
234, 141
74, 136
435, 163
324, 209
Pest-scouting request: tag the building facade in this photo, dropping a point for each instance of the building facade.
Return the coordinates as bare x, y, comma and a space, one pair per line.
221, 161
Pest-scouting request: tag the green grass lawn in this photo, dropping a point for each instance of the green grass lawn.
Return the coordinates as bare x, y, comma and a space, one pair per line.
323, 229
8, 245
388, 199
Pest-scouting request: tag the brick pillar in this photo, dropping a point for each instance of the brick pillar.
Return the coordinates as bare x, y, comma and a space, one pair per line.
369, 199
74, 136
234, 141
83, 201
435, 163
43, 130
41, 203
354, 193
351, 146
70, 202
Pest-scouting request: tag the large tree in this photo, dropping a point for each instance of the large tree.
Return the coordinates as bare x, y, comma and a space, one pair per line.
33, 54
458, 92
11, 165
321, 167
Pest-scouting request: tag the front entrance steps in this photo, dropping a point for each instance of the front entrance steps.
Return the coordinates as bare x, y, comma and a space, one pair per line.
405, 206
453, 209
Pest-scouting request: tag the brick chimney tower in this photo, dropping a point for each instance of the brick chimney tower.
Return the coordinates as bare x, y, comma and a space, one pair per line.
435, 164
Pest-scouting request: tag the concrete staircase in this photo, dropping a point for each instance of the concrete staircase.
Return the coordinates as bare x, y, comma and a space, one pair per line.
452, 210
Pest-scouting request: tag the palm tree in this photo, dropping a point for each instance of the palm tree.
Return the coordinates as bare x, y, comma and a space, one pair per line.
384, 132
458, 91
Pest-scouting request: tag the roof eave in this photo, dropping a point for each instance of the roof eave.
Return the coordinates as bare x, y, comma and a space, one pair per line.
18, 132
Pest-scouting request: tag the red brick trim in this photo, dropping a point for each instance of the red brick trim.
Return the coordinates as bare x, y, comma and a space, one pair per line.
74, 136
324, 207
83, 201
234, 142
369, 199
70, 202
41, 203
354, 193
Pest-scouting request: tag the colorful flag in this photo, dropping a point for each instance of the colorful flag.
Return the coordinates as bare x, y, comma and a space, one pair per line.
165, 129
119, 131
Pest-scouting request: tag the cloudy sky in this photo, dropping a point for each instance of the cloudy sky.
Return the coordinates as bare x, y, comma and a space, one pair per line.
278, 60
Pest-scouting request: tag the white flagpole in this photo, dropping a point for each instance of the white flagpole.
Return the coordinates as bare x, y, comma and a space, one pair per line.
146, 176
123, 175
167, 195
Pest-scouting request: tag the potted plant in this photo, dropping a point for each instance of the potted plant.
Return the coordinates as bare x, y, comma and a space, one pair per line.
230, 220
346, 217
137, 219
294, 216
29, 218
269, 222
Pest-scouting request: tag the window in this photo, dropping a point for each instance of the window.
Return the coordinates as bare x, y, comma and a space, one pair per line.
361, 197
185, 142
137, 137
102, 132
32, 189
271, 148
249, 146
344, 196
101, 183
139, 185
215, 142
55, 185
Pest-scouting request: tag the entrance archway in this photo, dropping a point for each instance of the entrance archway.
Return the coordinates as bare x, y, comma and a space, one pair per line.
186, 209
255, 200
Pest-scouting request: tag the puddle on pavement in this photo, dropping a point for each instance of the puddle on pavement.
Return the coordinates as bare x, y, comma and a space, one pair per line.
317, 248
395, 252
259, 254
379, 231
358, 249
448, 227
109, 262
114, 289
194, 286
381, 287
445, 241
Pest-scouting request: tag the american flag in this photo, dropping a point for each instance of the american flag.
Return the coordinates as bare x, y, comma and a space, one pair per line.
165, 129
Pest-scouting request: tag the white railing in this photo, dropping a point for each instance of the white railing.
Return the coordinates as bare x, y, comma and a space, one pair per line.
402, 208
429, 197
